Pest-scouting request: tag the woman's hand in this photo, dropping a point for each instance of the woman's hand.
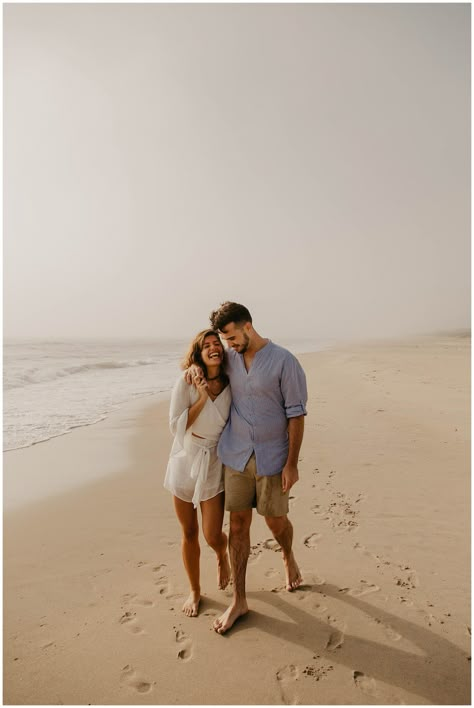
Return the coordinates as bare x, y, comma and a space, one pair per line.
197, 380
201, 386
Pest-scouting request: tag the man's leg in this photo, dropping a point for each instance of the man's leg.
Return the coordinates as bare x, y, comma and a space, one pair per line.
282, 530
239, 546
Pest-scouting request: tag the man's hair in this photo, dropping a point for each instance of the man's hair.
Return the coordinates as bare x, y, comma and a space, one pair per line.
229, 312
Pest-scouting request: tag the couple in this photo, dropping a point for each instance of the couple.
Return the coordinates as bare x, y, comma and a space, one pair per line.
264, 388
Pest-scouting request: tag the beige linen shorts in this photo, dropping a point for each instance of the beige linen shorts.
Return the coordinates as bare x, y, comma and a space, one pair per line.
244, 490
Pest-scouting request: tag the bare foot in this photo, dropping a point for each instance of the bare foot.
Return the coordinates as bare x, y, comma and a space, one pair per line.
191, 606
223, 572
225, 621
293, 575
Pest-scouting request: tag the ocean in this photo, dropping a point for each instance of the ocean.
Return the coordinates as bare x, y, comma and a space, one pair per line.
52, 387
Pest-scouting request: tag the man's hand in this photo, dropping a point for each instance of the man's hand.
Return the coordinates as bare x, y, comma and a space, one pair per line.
193, 372
289, 477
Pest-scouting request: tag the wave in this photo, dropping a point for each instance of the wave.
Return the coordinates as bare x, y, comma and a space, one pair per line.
37, 376
15, 438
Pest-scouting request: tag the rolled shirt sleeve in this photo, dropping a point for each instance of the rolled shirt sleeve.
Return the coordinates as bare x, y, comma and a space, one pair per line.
293, 388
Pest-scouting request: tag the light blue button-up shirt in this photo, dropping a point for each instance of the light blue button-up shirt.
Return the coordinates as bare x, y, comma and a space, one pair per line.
273, 390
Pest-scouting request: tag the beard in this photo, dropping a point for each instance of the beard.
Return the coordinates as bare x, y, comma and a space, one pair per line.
243, 347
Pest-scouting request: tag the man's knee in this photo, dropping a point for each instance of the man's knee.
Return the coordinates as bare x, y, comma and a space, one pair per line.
277, 524
240, 521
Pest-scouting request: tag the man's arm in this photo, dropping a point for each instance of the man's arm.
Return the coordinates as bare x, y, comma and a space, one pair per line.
295, 437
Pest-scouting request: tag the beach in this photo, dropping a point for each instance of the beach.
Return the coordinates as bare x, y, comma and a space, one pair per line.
94, 583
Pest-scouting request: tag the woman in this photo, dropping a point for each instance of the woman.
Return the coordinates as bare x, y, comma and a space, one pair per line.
198, 414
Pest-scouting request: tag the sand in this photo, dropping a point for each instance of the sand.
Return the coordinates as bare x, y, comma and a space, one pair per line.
93, 580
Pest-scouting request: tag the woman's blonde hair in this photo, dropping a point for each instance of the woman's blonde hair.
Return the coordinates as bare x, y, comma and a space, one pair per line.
194, 356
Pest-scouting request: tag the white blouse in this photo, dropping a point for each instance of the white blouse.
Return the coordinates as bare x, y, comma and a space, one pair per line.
194, 471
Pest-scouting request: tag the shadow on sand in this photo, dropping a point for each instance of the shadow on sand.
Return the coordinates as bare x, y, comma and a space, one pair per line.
439, 673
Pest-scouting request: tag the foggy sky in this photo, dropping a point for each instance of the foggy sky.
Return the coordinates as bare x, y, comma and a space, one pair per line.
310, 161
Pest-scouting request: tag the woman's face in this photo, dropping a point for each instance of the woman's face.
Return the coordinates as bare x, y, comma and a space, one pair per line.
212, 351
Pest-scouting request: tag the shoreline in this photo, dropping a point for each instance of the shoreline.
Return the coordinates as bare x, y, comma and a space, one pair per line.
14, 457
94, 581
163, 394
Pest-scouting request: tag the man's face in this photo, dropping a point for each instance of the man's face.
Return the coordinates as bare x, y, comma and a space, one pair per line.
235, 337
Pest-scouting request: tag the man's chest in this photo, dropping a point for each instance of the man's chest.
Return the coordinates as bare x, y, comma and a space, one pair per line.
259, 381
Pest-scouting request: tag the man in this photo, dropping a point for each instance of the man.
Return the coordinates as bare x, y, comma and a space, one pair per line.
259, 445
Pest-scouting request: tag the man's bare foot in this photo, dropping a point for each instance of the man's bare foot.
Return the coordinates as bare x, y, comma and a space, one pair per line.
191, 606
293, 575
223, 572
225, 621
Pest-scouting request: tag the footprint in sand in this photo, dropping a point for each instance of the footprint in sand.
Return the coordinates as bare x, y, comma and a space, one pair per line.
185, 646
130, 677
286, 678
162, 586
128, 597
171, 544
143, 603
271, 545
365, 683
335, 641
270, 573
133, 599
161, 569
389, 631
128, 620
365, 588
312, 541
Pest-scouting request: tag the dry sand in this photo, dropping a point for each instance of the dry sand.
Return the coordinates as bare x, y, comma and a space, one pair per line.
93, 580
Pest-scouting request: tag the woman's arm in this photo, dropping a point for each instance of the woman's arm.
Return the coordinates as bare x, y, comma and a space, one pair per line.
181, 403
201, 386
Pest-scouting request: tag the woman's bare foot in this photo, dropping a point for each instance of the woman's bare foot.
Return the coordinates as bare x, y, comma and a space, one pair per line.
225, 621
293, 575
223, 572
191, 606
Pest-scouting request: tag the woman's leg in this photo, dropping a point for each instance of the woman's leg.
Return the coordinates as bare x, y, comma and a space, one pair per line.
187, 517
212, 517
